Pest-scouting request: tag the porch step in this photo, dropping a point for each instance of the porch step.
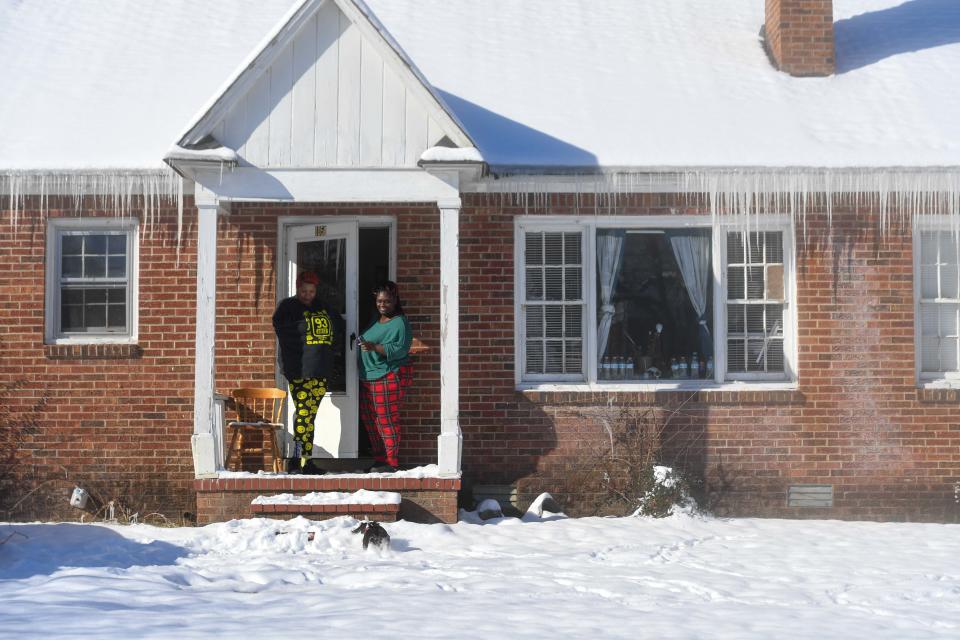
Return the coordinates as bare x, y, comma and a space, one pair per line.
382, 506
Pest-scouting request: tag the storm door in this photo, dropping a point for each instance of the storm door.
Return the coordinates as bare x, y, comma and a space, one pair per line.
330, 250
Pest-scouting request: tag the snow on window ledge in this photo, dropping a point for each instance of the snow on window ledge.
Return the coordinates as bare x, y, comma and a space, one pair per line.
650, 387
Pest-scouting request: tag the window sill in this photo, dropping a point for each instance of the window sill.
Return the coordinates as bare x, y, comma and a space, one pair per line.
700, 392
92, 351
939, 391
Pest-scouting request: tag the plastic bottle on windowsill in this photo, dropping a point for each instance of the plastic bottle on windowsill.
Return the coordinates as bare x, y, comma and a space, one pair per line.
710, 368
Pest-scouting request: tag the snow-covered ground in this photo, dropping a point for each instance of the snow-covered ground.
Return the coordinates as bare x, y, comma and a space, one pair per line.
679, 577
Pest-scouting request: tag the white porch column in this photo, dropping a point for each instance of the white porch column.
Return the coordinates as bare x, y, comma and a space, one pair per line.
204, 445
450, 440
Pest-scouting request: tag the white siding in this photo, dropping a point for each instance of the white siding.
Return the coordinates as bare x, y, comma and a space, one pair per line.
329, 100
304, 96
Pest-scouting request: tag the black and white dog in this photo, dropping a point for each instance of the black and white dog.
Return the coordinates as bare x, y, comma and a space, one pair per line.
373, 534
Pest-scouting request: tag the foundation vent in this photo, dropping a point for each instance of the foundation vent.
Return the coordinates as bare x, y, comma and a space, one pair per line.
810, 495
505, 494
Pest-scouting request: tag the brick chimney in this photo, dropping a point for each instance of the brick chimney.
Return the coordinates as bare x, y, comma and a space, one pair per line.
798, 36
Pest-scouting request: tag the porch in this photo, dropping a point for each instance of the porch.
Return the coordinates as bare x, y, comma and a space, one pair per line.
428, 492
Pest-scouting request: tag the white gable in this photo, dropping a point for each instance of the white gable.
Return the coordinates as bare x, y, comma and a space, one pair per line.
329, 99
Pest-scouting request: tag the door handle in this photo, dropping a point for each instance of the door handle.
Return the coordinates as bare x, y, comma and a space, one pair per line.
353, 340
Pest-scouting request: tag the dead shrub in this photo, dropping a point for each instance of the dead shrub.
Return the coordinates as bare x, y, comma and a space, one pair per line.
636, 468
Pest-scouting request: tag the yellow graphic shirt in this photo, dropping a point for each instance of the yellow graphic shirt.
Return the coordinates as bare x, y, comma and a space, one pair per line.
319, 327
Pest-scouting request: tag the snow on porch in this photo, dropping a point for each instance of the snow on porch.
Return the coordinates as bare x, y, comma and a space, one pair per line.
424, 495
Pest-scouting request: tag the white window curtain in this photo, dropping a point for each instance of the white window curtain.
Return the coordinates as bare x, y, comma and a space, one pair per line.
609, 260
692, 252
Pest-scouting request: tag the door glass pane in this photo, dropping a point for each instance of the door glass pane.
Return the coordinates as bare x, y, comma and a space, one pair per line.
328, 259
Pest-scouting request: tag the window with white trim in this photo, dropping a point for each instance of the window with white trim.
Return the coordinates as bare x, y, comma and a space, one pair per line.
938, 304
553, 305
653, 300
91, 293
756, 298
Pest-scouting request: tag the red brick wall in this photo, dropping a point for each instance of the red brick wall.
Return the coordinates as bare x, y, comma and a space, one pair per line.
116, 420
857, 421
799, 36
119, 420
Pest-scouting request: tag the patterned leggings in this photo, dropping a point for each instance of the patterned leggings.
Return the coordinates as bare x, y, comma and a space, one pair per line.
380, 412
307, 394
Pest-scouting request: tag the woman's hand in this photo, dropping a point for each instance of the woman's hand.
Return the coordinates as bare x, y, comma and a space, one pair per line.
366, 345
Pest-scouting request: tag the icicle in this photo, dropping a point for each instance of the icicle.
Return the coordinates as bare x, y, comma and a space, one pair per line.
180, 185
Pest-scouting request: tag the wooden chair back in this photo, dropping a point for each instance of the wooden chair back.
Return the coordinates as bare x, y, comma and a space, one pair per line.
252, 405
254, 411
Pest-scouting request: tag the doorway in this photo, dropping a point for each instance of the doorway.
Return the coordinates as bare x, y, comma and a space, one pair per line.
350, 261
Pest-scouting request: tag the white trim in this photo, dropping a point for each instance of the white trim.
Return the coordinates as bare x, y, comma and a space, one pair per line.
450, 441
686, 386
930, 379
203, 442
588, 225
51, 321
326, 185
522, 225
782, 224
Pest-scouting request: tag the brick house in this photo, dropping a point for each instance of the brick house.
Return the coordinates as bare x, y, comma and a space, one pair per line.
592, 212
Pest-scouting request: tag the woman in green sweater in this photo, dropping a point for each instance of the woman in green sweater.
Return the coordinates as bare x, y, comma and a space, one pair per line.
385, 376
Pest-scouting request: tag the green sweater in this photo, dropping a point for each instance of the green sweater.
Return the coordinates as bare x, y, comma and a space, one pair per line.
395, 336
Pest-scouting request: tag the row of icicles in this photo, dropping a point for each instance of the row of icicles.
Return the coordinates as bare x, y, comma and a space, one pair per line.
899, 196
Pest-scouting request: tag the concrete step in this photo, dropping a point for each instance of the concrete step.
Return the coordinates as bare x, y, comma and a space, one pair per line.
382, 506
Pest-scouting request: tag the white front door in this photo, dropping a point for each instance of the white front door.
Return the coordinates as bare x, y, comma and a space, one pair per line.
330, 250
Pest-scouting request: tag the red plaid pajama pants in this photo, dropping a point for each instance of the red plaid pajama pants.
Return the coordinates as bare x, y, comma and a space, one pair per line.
380, 412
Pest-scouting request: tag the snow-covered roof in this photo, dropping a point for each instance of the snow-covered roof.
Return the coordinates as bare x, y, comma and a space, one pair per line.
542, 83
111, 83
680, 83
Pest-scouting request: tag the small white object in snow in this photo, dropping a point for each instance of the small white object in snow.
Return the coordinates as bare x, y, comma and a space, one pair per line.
544, 502
332, 497
451, 154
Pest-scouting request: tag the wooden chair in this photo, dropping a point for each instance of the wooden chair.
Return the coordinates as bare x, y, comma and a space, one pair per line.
255, 410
